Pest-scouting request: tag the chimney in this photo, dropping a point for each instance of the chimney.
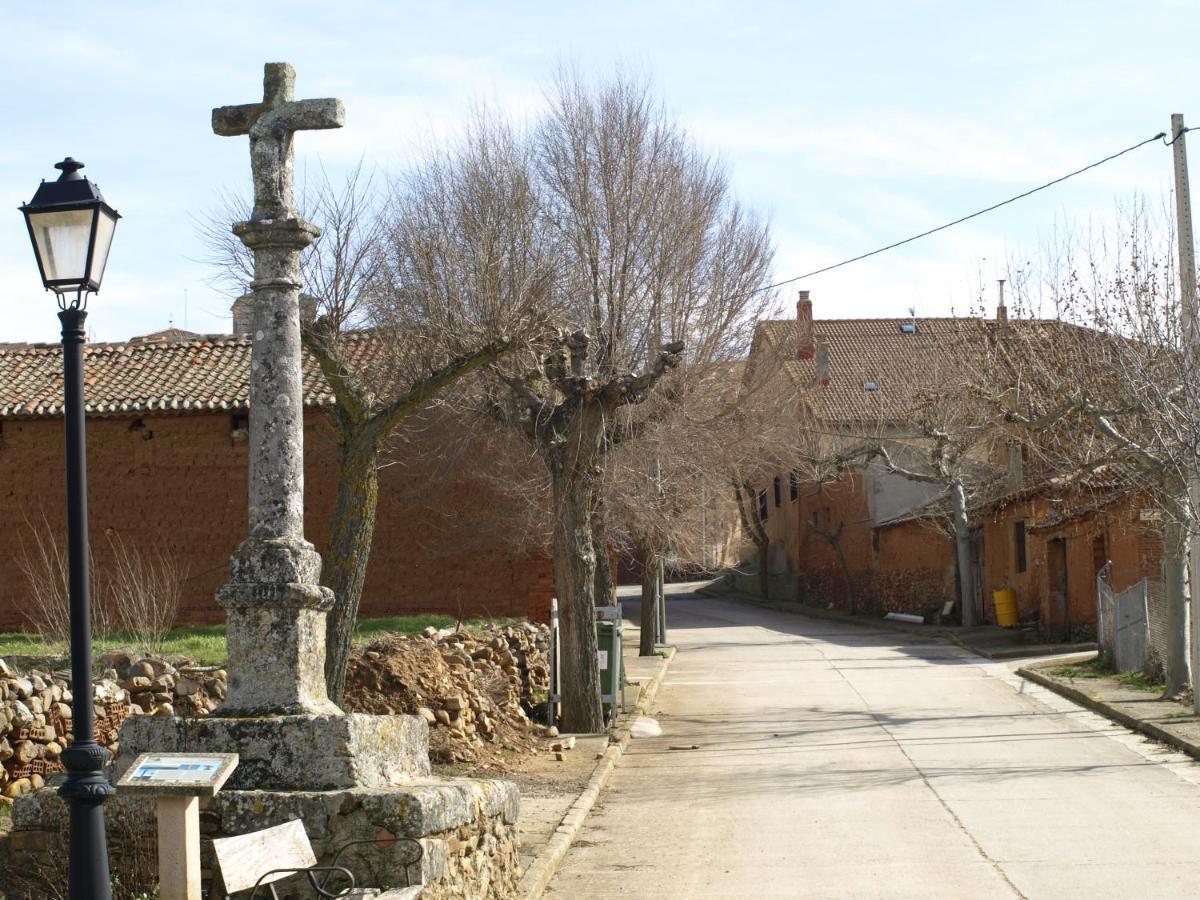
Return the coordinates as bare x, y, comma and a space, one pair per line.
804, 320
243, 315
823, 375
243, 312
308, 309
1001, 312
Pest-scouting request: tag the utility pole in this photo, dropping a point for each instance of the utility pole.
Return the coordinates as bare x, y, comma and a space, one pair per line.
1191, 336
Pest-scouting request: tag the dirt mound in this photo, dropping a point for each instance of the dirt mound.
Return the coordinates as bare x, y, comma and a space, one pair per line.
477, 689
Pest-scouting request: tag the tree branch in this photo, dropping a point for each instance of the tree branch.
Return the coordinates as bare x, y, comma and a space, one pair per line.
419, 394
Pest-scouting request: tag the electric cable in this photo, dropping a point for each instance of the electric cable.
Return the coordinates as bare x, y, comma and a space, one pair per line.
1162, 135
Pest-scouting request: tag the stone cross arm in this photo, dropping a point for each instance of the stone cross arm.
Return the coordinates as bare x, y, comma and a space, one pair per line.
294, 115
278, 109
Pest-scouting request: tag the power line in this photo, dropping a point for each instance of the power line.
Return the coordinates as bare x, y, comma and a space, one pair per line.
1162, 135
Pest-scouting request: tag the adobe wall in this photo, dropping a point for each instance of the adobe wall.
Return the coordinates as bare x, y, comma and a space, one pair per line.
916, 566
830, 507
180, 482
1133, 547
1000, 558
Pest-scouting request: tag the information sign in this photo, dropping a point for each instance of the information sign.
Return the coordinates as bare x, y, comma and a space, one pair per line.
201, 774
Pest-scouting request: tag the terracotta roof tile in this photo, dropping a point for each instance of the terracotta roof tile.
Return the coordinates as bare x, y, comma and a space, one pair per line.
209, 373
866, 352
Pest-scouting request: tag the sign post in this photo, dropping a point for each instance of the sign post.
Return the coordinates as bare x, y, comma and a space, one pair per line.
177, 781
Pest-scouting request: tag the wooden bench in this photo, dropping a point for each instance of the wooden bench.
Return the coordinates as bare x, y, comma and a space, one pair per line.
257, 861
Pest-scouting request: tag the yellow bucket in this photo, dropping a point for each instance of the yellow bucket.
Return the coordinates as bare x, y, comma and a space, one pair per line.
1006, 607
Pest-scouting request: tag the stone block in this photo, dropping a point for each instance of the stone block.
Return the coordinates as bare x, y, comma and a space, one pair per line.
298, 753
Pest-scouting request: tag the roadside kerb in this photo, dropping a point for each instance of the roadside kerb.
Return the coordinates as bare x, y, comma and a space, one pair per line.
929, 631
1110, 712
541, 870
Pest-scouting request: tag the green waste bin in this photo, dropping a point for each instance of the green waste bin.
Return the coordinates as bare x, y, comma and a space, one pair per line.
608, 651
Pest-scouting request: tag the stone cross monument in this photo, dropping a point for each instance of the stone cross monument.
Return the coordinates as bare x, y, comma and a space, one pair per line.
347, 776
277, 715
275, 604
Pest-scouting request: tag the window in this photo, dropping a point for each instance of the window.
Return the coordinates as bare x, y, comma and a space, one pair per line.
870, 385
908, 327
1019, 544
239, 427
778, 492
762, 505
794, 486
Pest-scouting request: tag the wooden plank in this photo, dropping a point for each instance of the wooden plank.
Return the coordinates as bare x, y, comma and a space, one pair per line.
245, 858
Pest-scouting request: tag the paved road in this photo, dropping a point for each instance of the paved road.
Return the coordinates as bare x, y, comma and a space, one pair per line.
837, 761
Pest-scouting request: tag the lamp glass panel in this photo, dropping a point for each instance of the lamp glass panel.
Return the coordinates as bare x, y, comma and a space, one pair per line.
62, 242
105, 226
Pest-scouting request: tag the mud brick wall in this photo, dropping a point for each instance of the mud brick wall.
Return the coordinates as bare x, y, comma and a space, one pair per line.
442, 543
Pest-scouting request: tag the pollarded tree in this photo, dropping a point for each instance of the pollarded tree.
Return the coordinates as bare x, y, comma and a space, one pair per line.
635, 221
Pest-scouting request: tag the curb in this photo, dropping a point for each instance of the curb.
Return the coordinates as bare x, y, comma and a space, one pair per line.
1111, 712
930, 631
537, 877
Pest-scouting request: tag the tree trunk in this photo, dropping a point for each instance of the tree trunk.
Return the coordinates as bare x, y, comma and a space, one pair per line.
851, 599
962, 544
1174, 563
764, 576
744, 494
650, 599
573, 479
351, 532
605, 589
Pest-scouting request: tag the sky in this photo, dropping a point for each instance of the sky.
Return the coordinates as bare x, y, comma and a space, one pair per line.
849, 125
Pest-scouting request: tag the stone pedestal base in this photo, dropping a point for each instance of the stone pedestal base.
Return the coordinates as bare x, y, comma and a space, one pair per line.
276, 611
467, 828
292, 753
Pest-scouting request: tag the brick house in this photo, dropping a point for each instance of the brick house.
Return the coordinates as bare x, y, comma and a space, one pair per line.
886, 535
168, 460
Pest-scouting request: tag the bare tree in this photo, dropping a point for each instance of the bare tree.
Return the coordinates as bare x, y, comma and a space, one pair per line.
957, 430
387, 338
145, 587
1105, 383
653, 255
42, 559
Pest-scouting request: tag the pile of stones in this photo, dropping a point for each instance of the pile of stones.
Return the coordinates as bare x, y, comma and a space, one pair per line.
36, 719
157, 687
480, 690
36, 725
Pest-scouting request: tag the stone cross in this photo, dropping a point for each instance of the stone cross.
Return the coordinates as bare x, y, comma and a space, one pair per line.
271, 125
276, 607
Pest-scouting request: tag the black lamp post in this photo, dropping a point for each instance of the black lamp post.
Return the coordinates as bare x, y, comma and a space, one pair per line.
71, 228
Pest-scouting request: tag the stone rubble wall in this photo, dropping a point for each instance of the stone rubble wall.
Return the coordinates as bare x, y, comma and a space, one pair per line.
467, 829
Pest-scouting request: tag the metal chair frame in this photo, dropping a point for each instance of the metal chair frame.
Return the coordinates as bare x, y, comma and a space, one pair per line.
333, 869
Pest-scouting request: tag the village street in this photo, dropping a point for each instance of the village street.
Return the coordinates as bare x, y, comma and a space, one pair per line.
840, 761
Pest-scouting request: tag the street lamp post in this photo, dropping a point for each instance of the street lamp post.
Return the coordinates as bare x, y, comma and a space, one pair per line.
71, 228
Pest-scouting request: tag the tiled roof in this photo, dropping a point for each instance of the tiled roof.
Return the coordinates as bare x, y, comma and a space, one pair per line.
876, 368
210, 373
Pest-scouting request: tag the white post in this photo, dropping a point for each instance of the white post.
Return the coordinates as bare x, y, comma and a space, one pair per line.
179, 847
1191, 333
